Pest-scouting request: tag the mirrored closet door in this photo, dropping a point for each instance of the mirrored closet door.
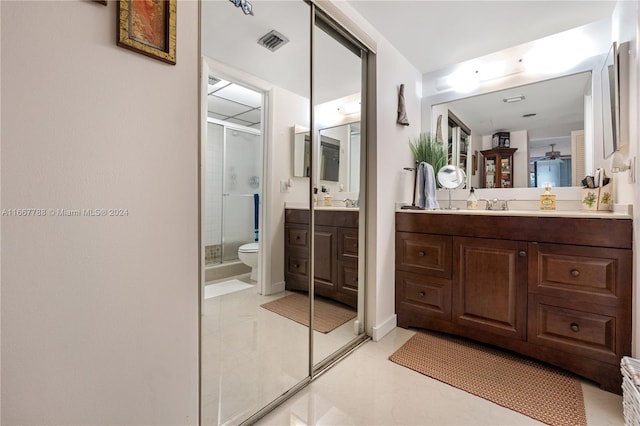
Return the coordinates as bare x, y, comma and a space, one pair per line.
268, 242
337, 107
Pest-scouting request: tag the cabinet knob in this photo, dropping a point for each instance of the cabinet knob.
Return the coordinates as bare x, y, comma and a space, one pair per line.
575, 327
297, 237
575, 273
421, 294
522, 253
297, 265
421, 253
355, 245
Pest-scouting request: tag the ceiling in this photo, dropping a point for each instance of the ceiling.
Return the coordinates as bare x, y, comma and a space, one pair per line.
432, 35
558, 105
437, 34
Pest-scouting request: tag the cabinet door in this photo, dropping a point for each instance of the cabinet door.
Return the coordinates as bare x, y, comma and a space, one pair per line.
325, 268
490, 291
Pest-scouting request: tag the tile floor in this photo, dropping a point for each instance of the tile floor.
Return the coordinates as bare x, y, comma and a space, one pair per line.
250, 356
368, 389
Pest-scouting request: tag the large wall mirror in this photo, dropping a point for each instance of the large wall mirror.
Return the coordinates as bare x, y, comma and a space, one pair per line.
545, 122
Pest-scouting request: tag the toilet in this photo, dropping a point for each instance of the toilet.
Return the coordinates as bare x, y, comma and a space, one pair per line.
248, 254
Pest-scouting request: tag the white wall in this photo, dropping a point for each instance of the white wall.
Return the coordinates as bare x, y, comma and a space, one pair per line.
388, 183
99, 314
289, 109
626, 18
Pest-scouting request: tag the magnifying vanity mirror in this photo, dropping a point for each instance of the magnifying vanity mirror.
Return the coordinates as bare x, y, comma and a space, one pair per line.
451, 177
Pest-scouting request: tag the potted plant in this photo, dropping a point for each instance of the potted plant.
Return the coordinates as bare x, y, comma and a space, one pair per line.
426, 149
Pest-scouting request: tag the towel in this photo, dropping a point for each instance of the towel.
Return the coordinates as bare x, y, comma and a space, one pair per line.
402, 109
256, 209
427, 186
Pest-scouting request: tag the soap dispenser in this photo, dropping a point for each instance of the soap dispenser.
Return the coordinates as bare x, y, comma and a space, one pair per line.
472, 200
327, 199
547, 199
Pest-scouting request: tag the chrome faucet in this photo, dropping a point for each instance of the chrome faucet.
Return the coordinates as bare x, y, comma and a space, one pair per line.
349, 202
497, 204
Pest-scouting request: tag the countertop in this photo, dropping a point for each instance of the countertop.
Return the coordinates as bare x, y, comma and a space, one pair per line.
303, 206
620, 213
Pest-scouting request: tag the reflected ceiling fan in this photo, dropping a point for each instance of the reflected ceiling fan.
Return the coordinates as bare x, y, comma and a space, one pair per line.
553, 154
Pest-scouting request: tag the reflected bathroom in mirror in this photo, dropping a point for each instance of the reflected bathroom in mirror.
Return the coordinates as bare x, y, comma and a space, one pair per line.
338, 156
545, 121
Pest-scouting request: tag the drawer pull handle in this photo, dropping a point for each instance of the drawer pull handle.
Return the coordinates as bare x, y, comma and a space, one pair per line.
421, 253
522, 253
297, 266
575, 273
575, 327
421, 294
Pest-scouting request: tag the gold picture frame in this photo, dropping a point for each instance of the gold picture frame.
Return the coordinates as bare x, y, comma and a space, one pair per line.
148, 27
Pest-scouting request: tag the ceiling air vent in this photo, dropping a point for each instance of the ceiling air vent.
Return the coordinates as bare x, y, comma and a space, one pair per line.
213, 81
273, 40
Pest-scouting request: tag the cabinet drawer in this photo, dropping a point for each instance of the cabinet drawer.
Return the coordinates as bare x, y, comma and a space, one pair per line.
431, 296
348, 277
297, 236
348, 243
424, 253
568, 327
591, 274
297, 265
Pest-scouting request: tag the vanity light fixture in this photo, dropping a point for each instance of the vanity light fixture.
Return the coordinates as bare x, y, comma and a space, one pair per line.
513, 99
349, 108
558, 53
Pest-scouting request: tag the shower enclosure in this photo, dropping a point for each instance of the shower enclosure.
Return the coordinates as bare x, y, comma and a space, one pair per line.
233, 185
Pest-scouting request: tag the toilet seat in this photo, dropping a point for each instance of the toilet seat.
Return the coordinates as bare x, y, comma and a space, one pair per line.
248, 248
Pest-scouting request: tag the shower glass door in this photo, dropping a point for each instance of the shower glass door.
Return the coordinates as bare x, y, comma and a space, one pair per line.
240, 203
233, 188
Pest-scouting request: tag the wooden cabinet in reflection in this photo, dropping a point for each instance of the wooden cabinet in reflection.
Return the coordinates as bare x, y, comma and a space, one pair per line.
336, 253
497, 168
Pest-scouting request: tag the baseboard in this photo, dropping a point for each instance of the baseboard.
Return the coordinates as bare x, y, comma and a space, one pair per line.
273, 288
385, 327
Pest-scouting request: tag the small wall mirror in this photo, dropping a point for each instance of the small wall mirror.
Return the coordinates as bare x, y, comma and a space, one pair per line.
338, 157
610, 105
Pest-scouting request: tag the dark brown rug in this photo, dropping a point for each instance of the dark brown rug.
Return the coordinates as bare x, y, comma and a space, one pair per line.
327, 315
537, 390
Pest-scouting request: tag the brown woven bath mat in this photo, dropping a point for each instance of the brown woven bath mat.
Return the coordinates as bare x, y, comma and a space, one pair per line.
534, 389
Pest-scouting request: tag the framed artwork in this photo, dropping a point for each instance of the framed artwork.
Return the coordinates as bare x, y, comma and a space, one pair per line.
148, 27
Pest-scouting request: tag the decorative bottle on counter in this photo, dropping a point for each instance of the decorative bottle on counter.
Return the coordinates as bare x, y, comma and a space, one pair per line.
472, 200
327, 199
547, 199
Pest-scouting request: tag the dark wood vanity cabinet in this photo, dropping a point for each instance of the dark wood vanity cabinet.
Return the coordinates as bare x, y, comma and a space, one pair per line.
336, 253
553, 288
